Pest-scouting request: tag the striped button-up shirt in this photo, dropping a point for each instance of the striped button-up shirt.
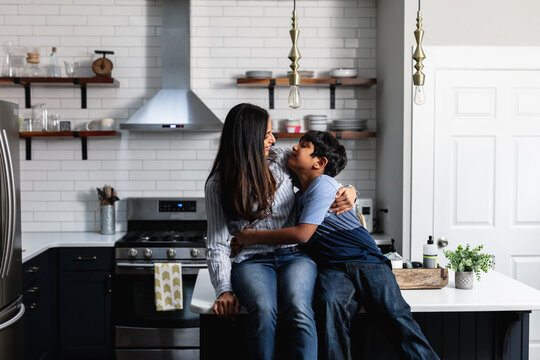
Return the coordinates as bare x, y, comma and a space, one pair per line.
219, 228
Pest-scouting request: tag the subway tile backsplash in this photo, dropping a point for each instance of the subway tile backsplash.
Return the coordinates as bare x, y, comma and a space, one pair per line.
227, 38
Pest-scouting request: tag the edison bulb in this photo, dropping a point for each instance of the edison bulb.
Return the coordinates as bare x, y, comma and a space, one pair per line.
419, 95
294, 97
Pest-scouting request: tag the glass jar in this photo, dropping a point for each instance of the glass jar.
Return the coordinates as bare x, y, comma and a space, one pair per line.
32, 68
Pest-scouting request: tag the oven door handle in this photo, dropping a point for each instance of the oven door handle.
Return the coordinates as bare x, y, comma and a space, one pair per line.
134, 265
125, 268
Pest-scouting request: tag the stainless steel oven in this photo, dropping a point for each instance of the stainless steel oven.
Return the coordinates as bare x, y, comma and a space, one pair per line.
141, 332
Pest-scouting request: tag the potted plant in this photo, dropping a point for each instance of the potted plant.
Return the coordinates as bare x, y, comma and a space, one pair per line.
465, 262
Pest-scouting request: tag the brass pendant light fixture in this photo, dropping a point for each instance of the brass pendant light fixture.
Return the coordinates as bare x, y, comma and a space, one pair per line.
419, 56
294, 56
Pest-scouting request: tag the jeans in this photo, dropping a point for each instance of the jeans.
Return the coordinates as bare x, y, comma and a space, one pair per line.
343, 288
280, 282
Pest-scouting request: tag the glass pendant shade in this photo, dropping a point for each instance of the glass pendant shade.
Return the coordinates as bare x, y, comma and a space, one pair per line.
294, 97
419, 95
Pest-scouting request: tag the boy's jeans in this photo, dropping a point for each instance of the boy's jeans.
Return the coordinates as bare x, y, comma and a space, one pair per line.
284, 279
342, 289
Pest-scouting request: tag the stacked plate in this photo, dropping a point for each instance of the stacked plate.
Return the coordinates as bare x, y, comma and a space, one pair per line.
259, 74
349, 124
317, 122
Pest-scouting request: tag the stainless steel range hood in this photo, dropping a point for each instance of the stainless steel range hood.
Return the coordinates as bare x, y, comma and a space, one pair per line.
175, 107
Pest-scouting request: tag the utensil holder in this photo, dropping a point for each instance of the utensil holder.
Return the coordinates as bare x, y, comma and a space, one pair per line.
107, 216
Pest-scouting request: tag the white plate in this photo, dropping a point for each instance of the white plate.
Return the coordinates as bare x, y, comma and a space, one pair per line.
337, 73
262, 74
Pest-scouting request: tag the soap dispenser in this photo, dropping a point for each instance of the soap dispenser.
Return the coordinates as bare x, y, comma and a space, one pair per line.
430, 254
394, 257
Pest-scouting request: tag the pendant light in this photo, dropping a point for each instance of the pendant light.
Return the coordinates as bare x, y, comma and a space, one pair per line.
294, 56
419, 56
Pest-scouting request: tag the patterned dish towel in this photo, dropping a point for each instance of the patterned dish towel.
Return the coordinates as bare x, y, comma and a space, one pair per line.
168, 286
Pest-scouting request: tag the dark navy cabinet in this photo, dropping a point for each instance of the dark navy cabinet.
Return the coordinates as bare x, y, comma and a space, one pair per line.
84, 303
39, 297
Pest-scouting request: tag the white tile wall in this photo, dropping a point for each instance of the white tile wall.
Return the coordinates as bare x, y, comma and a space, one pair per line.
228, 38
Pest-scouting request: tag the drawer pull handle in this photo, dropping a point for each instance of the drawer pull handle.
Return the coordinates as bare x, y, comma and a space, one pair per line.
32, 269
90, 258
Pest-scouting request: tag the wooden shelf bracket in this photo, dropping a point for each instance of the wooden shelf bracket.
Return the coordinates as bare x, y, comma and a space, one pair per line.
271, 87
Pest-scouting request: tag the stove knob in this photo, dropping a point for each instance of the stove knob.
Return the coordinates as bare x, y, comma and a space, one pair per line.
194, 252
147, 253
171, 253
132, 253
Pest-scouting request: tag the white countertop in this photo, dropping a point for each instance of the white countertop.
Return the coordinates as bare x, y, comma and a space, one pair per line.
36, 243
495, 292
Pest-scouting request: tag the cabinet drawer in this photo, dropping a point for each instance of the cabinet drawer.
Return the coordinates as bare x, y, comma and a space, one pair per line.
85, 258
35, 268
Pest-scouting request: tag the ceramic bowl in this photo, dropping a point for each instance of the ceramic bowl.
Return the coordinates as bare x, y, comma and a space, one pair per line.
338, 73
293, 128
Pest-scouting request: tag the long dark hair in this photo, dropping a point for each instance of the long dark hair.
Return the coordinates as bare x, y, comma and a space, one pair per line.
247, 186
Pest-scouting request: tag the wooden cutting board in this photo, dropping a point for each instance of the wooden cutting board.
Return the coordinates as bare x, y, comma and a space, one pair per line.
408, 279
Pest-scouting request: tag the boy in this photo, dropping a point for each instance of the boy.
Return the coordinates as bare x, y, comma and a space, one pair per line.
352, 270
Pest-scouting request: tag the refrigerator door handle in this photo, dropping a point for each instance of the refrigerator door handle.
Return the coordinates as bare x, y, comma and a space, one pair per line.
14, 319
4, 207
12, 217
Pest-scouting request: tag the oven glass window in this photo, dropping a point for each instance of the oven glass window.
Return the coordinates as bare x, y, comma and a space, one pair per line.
134, 303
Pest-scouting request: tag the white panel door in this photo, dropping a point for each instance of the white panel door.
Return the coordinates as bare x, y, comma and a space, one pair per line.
481, 180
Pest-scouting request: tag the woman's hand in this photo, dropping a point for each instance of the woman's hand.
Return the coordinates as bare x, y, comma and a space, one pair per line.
345, 198
246, 237
236, 247
226, 305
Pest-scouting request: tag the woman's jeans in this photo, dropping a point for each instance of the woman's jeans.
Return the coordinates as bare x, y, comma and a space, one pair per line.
281, 283
343, 288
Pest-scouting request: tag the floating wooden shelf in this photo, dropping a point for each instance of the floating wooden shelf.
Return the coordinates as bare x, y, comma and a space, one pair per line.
60, 81
82, 134
271, 83
364, 82
337, 134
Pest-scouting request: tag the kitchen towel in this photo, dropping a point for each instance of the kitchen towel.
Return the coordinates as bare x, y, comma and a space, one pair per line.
168, 286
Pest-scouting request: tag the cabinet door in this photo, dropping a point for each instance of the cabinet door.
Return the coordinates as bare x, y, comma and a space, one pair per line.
85, 314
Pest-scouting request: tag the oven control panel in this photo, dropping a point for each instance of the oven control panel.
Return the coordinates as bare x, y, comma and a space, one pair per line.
177, 206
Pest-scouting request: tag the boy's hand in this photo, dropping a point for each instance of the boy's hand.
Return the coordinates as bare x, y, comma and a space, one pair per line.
236, 247
246, 237
345, 198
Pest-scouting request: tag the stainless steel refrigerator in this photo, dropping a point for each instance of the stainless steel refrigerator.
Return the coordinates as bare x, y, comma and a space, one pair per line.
11, 306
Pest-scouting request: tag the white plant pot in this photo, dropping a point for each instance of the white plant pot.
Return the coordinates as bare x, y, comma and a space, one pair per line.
464, 280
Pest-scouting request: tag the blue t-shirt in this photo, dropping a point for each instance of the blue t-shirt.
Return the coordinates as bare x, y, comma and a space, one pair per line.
338, 238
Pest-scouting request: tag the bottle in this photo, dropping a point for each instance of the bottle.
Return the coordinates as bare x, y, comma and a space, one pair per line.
394, 257
54, 69
430, 254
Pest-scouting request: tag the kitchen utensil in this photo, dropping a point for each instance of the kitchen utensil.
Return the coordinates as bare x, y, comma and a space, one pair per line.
71, 68
40, 115
343, 72
103, 66
54, 122
26, 124
261, 74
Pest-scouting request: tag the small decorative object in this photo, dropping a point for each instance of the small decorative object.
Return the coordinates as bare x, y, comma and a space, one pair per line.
465, 261
65, 125
294, 56
71, 68
107, 197
419, 56
32, 69
103, 66
54, 68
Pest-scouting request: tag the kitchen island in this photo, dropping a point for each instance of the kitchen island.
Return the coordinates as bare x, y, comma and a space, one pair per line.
490, 321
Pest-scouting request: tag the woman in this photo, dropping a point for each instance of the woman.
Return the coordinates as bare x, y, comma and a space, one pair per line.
251, 186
